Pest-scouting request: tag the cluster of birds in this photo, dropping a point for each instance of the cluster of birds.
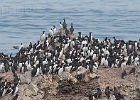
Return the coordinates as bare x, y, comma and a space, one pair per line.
59, 52
7, 88
107, 92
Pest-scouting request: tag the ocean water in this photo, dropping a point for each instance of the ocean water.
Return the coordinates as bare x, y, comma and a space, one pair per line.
23, 21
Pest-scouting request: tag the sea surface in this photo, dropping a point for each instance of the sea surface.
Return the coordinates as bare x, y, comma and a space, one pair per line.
22, 21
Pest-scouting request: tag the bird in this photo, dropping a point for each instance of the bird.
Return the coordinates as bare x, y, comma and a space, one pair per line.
21, 46
16, 47
23, 69
61, 26
51, 32
54, 29
15, 89
2, 66
42, 37
4, 83
37, 71
123, 74
15, 97
16, 79
107, 92
123, 64
79, 35
4, 89
71, 28
90, 36
33, 72
60, 70
98, 94
9, 88
132, 71
64, 24
91, 97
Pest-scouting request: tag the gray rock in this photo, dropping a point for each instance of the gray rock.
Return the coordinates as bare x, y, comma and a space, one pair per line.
22, 89
28, 92
24, 98
36, 80
33, 87
25, 78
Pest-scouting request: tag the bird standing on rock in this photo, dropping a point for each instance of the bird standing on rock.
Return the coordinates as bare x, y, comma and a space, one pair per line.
15, 89
15, 97
42, 37
98, 94
71, 28
132, 71
107, 92
91, 97
21, 46
123, 74
64, 24
50, 32
54, 29
61, 26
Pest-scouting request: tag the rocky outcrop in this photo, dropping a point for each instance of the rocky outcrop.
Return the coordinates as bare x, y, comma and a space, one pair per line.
128, 86
71, 86
76, 85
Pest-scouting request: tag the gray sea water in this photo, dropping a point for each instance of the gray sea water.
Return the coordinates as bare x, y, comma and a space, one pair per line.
22, 21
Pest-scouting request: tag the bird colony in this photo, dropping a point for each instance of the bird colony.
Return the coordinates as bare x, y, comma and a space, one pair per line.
63, 51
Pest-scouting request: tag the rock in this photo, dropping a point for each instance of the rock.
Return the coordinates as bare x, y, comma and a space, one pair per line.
138, 70
67, 76
24, 98
86, 78
7, 97
53, 88
45, 81
53, 91
25, 78
81, 98
92, 75
22, 89
32, 87
8, 76
36, 79
82, 70
81, 74
28, 93
39, 96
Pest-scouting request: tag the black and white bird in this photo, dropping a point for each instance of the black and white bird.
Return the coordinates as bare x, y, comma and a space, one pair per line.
54, 29
16, 79
71, 28
98, 94
51, 33
15, 89
107, 92
132, 71
64, 24
61, 26
35, 71
9, 90
15, 97
3, 91
42, 37
23, 69
91, 97
124, 73
21, 46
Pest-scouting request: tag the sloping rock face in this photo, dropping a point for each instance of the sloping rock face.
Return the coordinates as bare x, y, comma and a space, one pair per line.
74, 87
129, 86
79, 88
